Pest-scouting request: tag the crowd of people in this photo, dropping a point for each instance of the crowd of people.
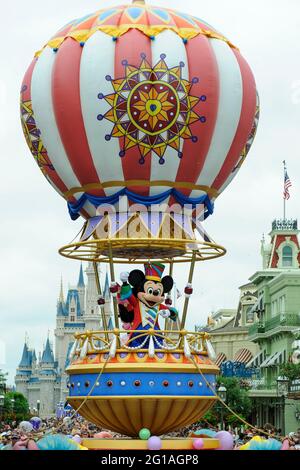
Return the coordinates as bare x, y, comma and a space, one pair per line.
20, 436
76, 429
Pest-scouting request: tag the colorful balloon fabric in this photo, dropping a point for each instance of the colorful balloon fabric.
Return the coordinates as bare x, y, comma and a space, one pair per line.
36, 422
26, 426
154, 443
226, 440
260, 443
58, 442
139, 101
144, 434
204, 433
198, 444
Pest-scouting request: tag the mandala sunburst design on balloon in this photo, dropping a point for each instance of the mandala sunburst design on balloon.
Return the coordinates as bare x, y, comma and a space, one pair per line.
152, 108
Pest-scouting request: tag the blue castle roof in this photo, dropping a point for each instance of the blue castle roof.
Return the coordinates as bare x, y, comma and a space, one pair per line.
73, 294
26, 360
47, 357
61, 309
81, 278
106, 291
67, 363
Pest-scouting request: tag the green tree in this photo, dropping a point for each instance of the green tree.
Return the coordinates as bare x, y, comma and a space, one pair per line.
237, 399
15, 407
290, 370
2, 382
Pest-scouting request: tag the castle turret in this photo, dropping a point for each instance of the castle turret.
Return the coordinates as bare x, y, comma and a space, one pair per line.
92, 295
24, 371
283, 252
48, 380
44, 380
47, 356
25, 360
107, 306
81, 289
73, 307
61, 306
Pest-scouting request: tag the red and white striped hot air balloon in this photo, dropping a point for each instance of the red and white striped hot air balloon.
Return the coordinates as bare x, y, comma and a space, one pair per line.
140, 101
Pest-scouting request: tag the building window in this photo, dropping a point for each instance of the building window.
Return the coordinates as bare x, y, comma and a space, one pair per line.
250, 314
274, 308
287, 257
72, 310
282, 304
72, 318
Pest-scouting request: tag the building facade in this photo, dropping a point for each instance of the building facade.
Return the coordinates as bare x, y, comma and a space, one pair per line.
277, 320
43, 380
263, 332
229, 329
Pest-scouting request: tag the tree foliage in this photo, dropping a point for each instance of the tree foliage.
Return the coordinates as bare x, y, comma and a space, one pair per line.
290, 370
2, 381
237, 399
17, 410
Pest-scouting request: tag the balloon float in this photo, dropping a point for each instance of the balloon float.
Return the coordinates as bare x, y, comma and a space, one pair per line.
141, 102
25, 427
36, 422
140, 117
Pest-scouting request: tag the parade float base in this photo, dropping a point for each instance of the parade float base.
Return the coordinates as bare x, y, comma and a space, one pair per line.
138, 444
126, 390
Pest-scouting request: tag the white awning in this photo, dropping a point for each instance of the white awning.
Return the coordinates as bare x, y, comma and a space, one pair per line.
258, 304
273, 360
265, 362
257, 360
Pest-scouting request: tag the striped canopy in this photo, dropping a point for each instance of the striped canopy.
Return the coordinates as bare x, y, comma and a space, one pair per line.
243, 355
221, 357
139, 101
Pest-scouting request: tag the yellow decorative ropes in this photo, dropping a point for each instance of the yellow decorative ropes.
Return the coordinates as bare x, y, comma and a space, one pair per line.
261, 431
88, 395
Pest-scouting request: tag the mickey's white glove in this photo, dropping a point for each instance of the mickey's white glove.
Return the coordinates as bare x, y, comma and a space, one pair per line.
124, 276
165, 313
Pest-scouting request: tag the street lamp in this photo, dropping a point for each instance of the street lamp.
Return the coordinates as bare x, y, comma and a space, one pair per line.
222, 393
283, 384
12, 402
38, 406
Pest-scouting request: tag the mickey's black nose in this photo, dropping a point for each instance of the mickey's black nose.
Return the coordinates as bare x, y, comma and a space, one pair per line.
156, 292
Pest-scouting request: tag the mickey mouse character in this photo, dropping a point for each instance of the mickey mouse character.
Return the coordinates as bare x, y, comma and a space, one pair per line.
141, 304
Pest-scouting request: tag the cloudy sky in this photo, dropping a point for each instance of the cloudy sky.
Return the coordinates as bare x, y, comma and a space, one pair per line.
35, 220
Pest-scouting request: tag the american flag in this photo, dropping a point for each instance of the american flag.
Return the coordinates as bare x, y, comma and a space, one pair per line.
287, 185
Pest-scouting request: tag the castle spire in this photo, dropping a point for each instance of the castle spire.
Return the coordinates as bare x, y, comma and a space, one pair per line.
61, 293
47, 356
25, 361
81, 278
106, 291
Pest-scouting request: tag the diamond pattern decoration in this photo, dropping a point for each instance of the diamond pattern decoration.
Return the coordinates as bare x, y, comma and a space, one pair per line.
33, 139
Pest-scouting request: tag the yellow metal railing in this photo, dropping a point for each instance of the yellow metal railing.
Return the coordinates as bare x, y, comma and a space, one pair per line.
151, 341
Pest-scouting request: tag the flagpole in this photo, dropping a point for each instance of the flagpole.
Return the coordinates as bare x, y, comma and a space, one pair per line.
284, 199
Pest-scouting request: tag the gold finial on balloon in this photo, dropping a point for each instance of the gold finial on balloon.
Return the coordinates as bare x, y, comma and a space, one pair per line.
139, 1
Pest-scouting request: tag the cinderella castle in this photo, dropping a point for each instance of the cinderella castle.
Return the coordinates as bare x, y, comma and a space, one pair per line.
43, 380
